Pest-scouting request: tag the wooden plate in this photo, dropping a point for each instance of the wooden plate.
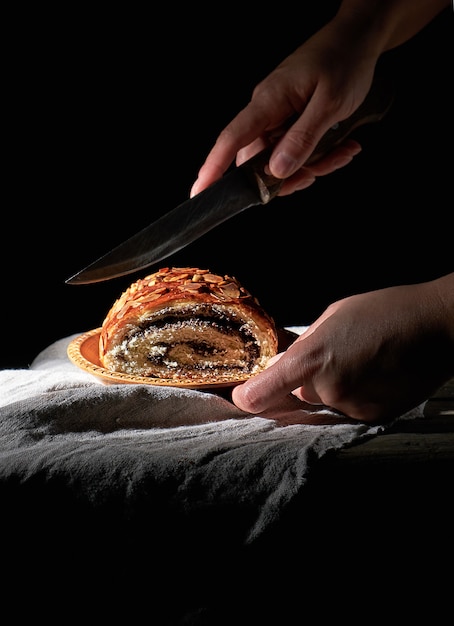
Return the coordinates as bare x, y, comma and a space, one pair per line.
83, 352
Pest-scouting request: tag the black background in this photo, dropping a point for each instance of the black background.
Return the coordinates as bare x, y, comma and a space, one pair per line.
109, 117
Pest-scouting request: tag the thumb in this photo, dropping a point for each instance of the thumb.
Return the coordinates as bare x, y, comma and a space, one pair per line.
268, 388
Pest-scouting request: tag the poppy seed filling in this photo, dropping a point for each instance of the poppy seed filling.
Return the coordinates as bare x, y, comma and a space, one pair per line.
198, 341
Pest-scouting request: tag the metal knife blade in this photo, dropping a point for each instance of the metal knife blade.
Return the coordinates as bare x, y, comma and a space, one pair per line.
242, 187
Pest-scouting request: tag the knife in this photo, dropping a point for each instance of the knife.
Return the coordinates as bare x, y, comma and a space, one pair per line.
242, 187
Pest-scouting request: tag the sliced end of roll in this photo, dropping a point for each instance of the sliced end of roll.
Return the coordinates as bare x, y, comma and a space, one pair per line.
187, 325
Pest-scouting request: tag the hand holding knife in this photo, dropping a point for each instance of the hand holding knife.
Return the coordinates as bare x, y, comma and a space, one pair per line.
242, 187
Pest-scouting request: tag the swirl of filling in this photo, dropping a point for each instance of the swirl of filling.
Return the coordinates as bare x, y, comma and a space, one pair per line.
187, 324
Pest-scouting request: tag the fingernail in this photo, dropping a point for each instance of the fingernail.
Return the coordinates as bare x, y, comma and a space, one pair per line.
282, 165
194, 189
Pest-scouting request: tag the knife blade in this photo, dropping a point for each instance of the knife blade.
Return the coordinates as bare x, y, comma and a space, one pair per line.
241, 188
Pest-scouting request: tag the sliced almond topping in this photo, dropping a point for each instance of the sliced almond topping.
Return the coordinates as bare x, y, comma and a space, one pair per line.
123, 310
212, 278
150, 298
192, 287
174, 279
230, 290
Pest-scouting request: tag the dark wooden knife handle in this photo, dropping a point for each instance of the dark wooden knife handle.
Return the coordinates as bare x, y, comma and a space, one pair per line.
374, 107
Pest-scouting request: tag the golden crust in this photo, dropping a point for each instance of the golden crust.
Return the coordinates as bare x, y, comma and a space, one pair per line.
187, 323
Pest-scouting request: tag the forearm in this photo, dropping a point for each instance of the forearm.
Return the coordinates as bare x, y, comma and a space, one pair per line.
385, 24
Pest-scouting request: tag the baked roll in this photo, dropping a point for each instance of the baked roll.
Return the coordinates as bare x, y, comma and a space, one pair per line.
187, 325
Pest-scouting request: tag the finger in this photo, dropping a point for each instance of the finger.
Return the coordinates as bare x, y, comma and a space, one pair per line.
246, 153
266, 389
301, 139
338, 158
214, 167
248, 126
292, 411
299, 181
274, 358
307, 394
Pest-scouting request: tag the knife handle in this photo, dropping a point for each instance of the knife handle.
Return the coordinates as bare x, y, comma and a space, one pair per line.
376, 104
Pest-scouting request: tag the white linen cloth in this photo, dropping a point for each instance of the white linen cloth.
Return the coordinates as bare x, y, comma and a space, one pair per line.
138, 444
